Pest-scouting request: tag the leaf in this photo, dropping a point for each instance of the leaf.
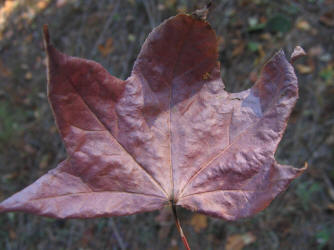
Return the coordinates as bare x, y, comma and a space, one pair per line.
107, 48
239, 241
253, 46
327, 18
239, 49
199, 222
279, 23
304, 69
303, 25
169, 134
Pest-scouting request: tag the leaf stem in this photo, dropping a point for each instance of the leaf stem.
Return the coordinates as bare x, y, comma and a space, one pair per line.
178, 225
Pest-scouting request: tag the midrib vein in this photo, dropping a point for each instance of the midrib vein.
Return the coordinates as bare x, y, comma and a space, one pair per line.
94, 192
222, 190
179, 53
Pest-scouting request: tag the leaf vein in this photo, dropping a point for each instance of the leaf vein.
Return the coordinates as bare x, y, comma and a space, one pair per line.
153, 180
93, 192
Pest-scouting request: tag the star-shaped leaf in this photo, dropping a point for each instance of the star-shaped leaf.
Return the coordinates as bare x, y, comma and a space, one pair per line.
169, 134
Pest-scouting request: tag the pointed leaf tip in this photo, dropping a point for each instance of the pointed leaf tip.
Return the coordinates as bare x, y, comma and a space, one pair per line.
304, 168
46, 36
202, 14
297, 52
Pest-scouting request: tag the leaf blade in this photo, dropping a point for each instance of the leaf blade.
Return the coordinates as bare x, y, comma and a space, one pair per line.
59, 194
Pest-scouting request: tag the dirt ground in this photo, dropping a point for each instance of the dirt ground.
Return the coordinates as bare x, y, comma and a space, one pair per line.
112, 32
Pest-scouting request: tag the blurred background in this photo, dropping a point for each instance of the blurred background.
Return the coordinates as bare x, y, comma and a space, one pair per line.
112, 32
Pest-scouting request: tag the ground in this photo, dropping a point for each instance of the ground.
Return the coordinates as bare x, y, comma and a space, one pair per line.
112, 32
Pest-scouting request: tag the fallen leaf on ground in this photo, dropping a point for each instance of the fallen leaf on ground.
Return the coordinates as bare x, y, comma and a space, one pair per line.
12, 234
327, 18
304, 69
330, 206
303, 25
239, 49
4, 71
42, 4
199, 222
106, 48
315, 51
28, 76
61, 3
239, 241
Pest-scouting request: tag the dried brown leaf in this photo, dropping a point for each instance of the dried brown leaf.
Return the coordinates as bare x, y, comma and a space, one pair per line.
239, 241
166, 135
199, 222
